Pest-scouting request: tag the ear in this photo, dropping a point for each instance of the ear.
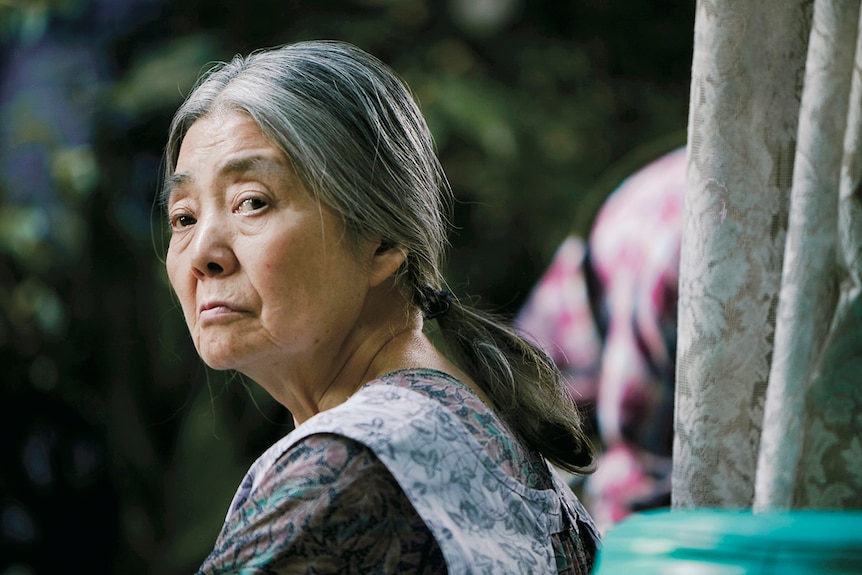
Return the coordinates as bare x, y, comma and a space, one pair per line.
385, 262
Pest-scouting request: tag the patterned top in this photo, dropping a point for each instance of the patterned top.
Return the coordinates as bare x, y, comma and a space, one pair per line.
605, 311
413, 474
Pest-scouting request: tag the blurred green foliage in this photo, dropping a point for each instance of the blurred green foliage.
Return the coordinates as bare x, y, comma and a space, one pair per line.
538, 108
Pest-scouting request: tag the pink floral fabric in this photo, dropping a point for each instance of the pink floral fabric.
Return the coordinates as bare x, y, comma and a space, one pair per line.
605, 311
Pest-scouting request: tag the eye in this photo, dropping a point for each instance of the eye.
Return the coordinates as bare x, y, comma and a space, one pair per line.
249, 205
182, 221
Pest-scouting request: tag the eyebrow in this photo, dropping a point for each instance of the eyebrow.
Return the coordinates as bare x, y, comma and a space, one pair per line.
169, 189
234, 166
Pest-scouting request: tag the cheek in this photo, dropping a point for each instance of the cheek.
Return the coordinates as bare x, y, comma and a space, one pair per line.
171, 268
175, 278
312, 282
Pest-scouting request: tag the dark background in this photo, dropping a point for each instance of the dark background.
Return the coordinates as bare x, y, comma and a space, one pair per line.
120, 451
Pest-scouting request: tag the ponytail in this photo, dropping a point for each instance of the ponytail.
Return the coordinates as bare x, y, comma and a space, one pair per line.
523, 383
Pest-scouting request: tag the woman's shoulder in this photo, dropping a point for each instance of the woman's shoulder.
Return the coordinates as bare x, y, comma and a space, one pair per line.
323, 500
479, 419
330, 440
440, 386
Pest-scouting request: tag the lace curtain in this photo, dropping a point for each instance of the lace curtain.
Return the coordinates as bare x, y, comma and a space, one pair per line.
769, 372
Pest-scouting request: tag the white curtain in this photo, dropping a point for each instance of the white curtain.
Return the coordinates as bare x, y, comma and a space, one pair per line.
769, 372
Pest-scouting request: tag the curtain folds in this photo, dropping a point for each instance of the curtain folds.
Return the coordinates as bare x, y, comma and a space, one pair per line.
769, 372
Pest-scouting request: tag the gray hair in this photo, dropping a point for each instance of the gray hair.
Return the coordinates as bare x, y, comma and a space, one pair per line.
355, 137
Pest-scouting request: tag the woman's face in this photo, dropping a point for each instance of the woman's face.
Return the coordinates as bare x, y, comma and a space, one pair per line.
260, 268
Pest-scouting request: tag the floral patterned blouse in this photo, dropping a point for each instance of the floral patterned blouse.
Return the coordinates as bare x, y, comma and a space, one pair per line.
413, 474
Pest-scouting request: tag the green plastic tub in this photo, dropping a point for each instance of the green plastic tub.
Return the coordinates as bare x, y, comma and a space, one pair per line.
720, 542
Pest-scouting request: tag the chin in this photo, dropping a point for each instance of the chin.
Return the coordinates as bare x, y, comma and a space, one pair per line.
217, 365
217, 362
219, 358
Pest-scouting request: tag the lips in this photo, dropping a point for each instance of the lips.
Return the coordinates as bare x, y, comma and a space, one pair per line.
215, 309
210, 305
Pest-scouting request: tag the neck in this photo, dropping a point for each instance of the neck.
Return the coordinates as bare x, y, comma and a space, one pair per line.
388, 337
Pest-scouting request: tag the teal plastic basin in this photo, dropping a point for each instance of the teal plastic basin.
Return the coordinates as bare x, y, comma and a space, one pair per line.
721, 542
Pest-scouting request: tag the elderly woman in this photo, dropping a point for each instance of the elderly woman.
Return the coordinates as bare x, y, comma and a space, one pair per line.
308, 214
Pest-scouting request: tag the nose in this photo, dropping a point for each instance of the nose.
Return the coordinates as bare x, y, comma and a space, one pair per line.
212, 250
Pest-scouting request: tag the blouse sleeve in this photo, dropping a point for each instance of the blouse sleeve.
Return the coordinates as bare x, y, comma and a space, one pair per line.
328, 505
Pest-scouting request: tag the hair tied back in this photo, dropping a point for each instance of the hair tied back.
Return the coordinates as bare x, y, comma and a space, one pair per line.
437, 302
